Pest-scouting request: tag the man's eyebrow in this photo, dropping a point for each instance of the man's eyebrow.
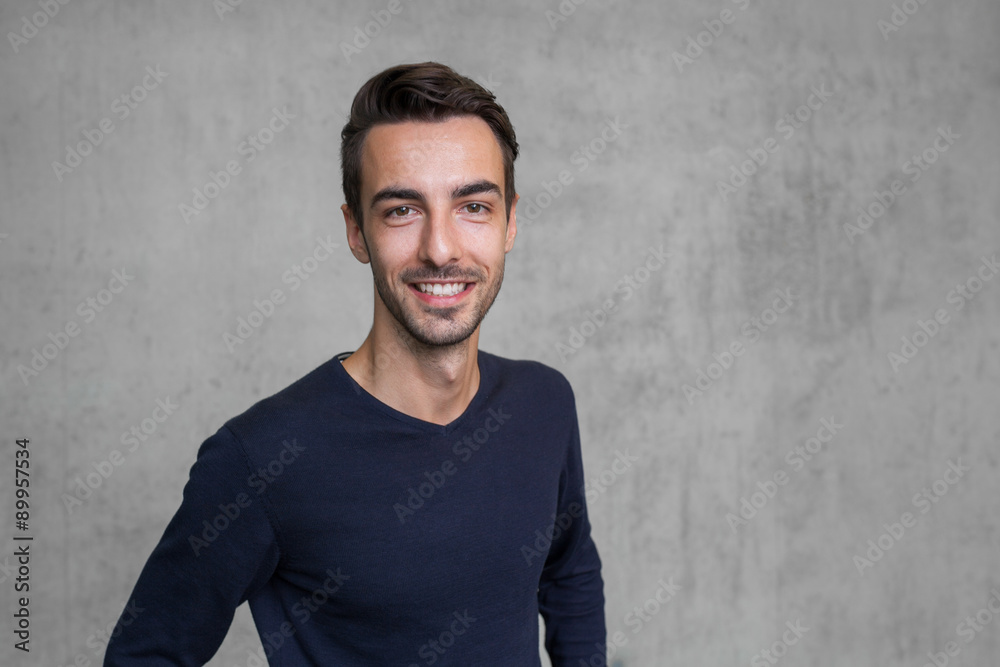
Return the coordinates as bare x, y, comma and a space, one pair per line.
392, 192
478, 187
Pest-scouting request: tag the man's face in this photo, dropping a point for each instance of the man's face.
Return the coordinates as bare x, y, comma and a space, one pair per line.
435, 228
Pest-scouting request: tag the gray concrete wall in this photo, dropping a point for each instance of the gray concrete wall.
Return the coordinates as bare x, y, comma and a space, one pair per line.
684, 126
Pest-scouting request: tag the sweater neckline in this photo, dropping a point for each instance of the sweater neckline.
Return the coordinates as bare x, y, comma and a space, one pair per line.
482, 393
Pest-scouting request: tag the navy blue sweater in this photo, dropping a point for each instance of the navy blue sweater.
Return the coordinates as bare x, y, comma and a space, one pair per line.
360, 535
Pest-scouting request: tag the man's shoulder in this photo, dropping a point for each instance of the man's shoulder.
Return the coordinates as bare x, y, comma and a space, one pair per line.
292, 408
530, 375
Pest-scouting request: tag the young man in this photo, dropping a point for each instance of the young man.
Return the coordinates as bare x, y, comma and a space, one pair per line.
418, 501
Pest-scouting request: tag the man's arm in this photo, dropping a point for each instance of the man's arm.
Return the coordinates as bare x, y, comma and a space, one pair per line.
571, 590
218, 549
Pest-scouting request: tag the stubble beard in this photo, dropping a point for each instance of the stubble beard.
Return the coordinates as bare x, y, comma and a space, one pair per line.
459, 328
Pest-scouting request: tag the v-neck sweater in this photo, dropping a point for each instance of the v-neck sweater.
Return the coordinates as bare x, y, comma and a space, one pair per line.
360, 535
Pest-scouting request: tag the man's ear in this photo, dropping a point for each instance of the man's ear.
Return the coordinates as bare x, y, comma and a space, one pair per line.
511, 225
355, 236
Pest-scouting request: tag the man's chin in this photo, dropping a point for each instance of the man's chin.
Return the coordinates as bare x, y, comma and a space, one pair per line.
435, 337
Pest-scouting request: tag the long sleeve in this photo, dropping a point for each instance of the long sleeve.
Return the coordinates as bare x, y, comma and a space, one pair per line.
571, 590
219, 548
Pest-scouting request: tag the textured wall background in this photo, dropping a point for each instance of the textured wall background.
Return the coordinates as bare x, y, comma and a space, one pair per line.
683, 127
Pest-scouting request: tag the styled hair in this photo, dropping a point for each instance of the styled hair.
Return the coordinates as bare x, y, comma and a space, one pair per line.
423, 92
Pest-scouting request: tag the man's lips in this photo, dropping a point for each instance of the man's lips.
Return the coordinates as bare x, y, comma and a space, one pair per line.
441, 300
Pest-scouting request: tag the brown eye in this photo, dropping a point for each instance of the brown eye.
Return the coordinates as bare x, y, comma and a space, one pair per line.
401, 211
475, 208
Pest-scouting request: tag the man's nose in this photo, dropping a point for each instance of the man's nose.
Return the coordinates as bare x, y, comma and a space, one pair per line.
439, 241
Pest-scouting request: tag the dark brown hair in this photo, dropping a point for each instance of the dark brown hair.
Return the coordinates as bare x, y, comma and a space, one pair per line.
425, 92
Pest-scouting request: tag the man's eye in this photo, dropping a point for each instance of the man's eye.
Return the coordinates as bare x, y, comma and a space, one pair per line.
475, 208
400, 211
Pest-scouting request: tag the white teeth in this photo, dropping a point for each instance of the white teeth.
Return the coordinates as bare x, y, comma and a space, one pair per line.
437, 289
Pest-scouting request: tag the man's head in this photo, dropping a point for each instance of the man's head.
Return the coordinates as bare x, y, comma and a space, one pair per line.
428, 178
424, 92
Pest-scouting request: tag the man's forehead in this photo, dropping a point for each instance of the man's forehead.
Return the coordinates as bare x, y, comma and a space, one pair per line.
411, 148
452, 130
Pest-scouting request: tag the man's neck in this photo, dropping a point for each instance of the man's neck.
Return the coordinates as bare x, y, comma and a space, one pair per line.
433, 384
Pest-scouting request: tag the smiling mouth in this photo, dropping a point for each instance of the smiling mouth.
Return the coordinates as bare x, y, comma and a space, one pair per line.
435, 292
440, 289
